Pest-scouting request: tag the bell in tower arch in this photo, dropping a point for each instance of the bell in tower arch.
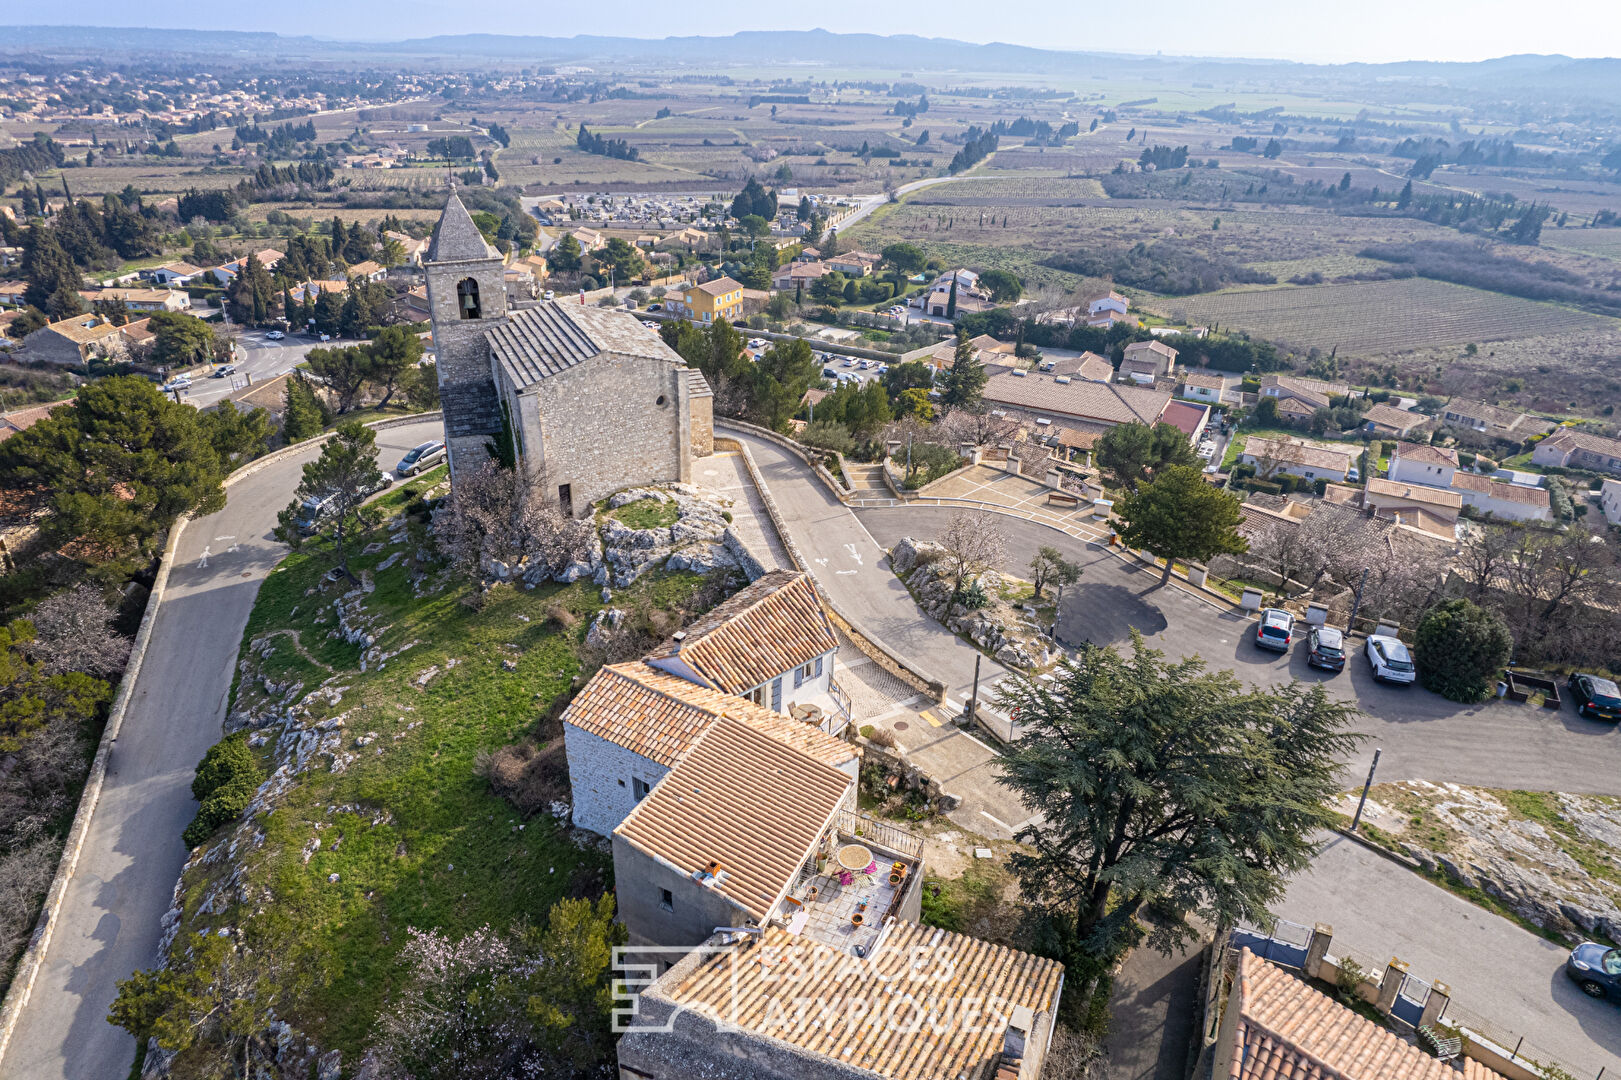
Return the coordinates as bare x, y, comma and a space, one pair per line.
467, 298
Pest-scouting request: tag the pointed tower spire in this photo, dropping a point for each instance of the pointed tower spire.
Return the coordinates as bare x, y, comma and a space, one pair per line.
456, 238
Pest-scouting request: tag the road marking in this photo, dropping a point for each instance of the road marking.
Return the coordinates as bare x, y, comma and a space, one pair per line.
224, 538
999, 821
854, 553
930, 718
202, 560
844, 571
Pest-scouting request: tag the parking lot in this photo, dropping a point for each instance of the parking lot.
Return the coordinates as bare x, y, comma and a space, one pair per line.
1496, 744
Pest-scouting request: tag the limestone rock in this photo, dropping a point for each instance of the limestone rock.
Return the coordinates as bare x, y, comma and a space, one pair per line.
330, 1067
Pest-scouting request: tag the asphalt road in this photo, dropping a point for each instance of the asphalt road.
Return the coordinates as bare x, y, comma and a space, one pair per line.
258, 360
1421, 734
1494, 968
108, 925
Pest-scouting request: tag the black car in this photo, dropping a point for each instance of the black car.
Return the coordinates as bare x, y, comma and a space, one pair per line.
1325, 648
1595, 696
1596, 969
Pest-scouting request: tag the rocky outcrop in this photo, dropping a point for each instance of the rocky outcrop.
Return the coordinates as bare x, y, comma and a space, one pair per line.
1531, 866
997, 628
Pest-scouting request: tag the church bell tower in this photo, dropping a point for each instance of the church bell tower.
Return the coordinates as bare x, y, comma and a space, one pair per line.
466, 297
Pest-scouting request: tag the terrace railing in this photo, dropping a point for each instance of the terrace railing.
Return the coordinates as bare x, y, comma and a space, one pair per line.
882, 835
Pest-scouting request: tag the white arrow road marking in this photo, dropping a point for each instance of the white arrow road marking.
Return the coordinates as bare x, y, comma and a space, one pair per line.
202, 560
845, 571
821, 562
854, 554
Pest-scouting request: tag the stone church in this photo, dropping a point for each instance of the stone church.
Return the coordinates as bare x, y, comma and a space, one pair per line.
594, 401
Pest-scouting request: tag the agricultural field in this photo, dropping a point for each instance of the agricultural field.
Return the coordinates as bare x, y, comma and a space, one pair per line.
1601, 243
1380, 318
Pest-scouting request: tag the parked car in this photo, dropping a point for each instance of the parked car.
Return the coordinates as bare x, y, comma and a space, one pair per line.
1596, 969
179, 382
274, 335
849, 361
1390, 660
655, 306
1352, 474
224, 371
1325, 648
829, 373
1595, 696
317, 510
1276, 630
418, 458
650, 324
548, 295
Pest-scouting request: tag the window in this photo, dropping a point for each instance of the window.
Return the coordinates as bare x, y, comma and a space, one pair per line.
666, 900
467, 299
639, 788
757, 695
809, 671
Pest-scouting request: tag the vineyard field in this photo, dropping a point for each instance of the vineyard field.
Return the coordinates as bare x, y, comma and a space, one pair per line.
1381, 317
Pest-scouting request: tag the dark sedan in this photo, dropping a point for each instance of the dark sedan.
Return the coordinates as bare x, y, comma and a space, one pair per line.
1325, 648
1595, 697
1596, 969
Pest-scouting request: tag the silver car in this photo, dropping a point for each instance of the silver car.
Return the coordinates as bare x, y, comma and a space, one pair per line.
419, 458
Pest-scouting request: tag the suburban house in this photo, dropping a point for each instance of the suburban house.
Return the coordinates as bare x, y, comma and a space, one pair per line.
1312, 394
729, 1010
1297, 457
309, 289
853, 263
174, 273
1088, 366
1274, 1026
368, 270
1109, 301
23, 419
1204, 386
588, 239
11, 292
141, 299
1609, 501
1505, 424
1576, 449
1431, 509
718, 299
1382, 419
1146, 361
937, 300
1108, 320
414, 304
1418, 463
797, 274
227, 272
1068, 402
412, 247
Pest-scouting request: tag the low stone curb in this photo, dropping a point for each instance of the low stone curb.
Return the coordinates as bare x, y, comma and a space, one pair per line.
1379, 849
33, 957
840, 491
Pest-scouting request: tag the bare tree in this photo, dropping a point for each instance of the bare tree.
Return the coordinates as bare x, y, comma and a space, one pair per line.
491, 518
973, 544
1326, 544
1485, 556
979, 427
74, 632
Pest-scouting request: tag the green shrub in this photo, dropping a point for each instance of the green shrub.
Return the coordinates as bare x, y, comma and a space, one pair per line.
1460, 649
1319, 487
973, 597
225, 782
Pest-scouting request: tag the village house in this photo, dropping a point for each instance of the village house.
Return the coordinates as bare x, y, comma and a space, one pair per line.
1382, 419
308, 289
367, 270
174, 273
1420, 463
1088, 366
853, 263
1433, 466
1310, 394
1188, 417
1204, 386
1573, 448
588, 239
1274, 1026
703, 304
140, 299
75, 340
1428, 508
1297, 457
412, 247
1108, 320
728, 1009
1068, 402
1145, 361
1108, 301
12, 292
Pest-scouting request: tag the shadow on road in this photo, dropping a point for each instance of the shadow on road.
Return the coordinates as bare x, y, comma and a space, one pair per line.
1106, 615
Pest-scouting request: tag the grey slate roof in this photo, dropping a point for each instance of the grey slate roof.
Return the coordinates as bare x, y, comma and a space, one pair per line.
539, 342
456, 238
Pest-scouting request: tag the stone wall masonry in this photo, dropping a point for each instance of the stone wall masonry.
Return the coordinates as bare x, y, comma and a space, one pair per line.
586, 413
28, 966
600, 774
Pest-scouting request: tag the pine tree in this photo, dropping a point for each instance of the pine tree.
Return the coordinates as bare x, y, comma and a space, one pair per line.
48, 269
1405, 199
301, 416
965, 379
951, 301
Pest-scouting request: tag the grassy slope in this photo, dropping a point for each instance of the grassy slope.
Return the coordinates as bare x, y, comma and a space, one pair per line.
444, 853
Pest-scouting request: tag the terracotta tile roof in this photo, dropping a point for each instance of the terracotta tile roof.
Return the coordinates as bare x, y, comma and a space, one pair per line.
138, 332
1199, 378
660, 716
764, 629
1568, 440
758, 989
743, 799
23, 419
1379, 486
1490, 415
1140, 348
1391, 417
1185, 416
1084, 400
719, 287
1296, 452
1499, 489
83, 329
1089, 366
1296, 406
365, 269
1288, 1031
1425, 454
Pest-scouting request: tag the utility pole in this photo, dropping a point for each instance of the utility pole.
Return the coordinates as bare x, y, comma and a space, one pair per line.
973, 702
1357, 820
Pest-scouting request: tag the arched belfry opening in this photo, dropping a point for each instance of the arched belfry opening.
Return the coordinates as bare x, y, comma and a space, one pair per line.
467, 304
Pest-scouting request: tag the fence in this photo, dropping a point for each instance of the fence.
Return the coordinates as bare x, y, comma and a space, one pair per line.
895, 839
1285, 944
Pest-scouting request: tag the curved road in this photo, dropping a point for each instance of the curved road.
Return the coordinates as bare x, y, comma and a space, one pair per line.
132, 855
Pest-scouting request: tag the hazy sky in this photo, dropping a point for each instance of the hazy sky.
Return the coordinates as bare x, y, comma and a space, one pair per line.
1372, 30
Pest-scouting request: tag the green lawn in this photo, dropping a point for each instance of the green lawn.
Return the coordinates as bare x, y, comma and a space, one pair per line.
647, 514
409, 827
